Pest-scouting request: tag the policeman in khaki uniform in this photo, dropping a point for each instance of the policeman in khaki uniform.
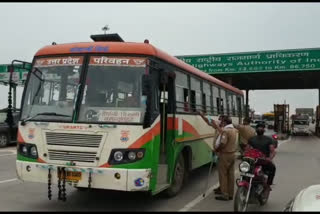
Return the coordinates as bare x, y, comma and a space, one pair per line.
246, 132
225, 144
226, 148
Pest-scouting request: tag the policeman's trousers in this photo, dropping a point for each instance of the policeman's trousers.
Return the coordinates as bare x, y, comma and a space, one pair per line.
226, 173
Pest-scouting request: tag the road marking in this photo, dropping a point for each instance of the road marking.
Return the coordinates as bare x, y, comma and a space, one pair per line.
285, 141
10, 180
8, 150
7, 155
198, 199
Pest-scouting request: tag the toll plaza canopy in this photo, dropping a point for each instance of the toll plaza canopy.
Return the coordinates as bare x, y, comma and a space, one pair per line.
278, 69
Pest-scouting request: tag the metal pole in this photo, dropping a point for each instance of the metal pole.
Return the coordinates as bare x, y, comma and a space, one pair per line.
14, 98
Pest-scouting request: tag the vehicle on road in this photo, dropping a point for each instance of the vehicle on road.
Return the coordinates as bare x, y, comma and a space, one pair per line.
269, 119
8, 135
307, 200
256, 122
252, 187
117, 115
300, 125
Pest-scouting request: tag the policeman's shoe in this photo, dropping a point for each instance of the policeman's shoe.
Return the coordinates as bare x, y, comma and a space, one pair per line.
222, 198
217, 191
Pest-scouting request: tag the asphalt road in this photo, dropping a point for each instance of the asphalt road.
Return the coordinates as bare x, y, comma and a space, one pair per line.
297, 163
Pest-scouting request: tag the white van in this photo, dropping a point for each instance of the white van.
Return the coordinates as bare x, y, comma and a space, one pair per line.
300, 127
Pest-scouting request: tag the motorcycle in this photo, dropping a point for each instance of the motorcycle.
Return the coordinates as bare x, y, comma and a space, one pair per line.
252, 187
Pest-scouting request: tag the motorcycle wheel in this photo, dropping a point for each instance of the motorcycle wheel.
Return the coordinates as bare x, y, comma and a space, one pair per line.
240, 200
264, 197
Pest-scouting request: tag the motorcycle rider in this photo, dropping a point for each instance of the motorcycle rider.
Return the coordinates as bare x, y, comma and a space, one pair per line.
245, 133
265, 145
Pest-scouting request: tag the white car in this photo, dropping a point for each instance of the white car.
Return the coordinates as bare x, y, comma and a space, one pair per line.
307, 199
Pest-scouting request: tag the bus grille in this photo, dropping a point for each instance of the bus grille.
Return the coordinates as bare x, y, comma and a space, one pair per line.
68, 139
88, 157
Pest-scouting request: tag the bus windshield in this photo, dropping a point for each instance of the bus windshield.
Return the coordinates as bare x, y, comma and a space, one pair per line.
112, 92
52, 88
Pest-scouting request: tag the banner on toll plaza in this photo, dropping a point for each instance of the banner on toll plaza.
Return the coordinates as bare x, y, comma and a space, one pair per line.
251, 62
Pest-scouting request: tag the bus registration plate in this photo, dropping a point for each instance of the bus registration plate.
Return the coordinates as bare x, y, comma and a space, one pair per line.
72, 176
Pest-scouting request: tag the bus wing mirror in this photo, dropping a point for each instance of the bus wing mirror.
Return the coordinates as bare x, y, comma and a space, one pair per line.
17, 64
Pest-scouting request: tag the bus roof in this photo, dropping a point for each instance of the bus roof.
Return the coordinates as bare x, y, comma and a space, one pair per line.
129, 48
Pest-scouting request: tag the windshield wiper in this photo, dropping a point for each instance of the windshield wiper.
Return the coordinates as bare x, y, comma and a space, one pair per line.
23, 122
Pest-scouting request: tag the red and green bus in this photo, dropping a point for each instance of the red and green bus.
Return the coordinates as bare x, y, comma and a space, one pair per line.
117, 115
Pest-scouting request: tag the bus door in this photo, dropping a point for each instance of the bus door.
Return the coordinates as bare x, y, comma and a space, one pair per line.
167, 120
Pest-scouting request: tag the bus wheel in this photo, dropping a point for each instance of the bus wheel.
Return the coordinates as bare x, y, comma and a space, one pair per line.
178, 178
3, 140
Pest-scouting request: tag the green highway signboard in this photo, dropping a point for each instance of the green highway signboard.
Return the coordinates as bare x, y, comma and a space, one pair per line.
18, 76
251, 62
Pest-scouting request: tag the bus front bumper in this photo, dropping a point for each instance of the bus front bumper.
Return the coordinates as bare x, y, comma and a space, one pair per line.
101, 178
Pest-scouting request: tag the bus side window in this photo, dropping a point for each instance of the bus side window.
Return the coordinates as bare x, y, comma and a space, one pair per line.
223, 103
239, 110
218, 105
193, 100
182, 92
222, 110
195, 96
204, 105
186, 99
206, 98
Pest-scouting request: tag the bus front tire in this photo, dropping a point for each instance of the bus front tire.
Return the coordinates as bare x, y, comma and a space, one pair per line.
179, 178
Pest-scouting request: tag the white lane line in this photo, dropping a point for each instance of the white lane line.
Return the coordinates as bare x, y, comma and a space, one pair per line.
10, 180
285, 141
7, 155
198, 199
11, 151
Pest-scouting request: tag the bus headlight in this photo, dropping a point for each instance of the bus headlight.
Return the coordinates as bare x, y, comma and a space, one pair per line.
244, 166
132, 155
122, 156
24, 149
28, 150
33, 151
118, 156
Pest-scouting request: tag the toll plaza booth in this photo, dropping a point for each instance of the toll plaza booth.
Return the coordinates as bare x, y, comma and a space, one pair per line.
12, 78
281, 119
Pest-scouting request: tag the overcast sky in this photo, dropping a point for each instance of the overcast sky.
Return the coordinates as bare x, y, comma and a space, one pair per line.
177, 28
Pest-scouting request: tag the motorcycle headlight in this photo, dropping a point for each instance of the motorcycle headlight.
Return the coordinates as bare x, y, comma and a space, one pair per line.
244, 166
118, 156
